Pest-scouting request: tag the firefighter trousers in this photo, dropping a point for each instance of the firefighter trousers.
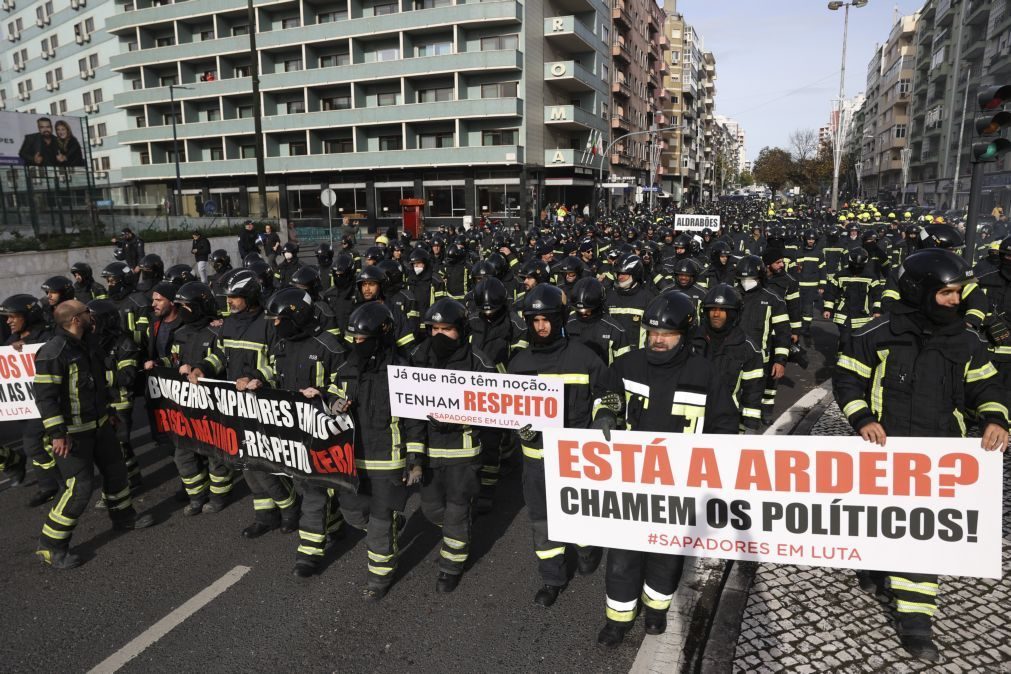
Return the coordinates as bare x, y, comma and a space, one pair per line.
374, 510
124, 427
634, 577
88, 450
38, 449
203, 477
915, 593
320, 516
273, 496
446, 496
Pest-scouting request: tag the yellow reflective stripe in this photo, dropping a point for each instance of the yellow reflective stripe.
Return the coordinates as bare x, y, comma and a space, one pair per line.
242, 344
453, 557
129, 362
689, 411
854, 406
890, 294
659, 605
877, 391
53, 533
415, 448
625, 311
75, 399
898, 583
309, 536
437, 452
961, 421
751, 413
48, 379
568, 378
992, 407
752, 374
533, 452
380, 570
371, 464
855, 366
306, 550
81, 428
976, 313
903, 606
453, 543
263, 504
780, 318
619, 616
980, 373
405, 340
377, 557
52, 421
551, 552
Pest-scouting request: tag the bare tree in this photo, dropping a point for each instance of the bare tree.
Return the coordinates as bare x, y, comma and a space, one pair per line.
803, 144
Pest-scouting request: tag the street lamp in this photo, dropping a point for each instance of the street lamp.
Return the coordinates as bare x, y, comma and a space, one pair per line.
178, 201
607, 151
837, 158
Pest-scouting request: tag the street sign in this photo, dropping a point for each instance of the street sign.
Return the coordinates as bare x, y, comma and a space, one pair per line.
103, 203
210, 207
696, 223
619, 186
328, 197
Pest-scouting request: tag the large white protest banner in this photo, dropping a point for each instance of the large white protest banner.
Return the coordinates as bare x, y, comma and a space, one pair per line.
477, 398
696, 223
17, 370
919, 505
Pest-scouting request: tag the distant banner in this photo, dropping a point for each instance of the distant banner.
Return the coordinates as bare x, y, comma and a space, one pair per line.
41, 140
696, 223
923, 505
477, 398
270, 430
17, 370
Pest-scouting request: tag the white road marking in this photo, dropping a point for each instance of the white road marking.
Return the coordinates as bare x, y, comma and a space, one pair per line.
152, 634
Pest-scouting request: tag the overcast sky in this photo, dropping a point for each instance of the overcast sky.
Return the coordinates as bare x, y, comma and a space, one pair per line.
777, 61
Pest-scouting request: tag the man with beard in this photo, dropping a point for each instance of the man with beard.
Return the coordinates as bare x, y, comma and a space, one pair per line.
39, 149
590, 324
86, 288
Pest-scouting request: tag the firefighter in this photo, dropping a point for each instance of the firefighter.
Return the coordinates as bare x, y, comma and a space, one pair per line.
425, 285
388, 449
686, 274
307, 280
456, 272
997, 327
721, 268
130, 302
191, 343
630, 299
914, 372
304, 358
221, 264
57, 289
552, 354
853, 299
27, 326
371, 283
765, 321
452, 451
341, 295
240, 354
591, 325
289, 265
736, 358
667, 388
324, 262
86, 288
809, 270
74, 408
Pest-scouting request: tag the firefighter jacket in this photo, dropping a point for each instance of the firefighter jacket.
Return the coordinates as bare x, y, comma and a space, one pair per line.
738, 363
285, 271
601, 334
788, 289
997, 287
70, 388
917, 380
120, 358
585, 377
626, 307
974, 301
683, 395
92, 290
38, 333
716, 274
852, 298
402, 329
694, 291
753, 246
133, 312
809, 268
457, 277
834, 262
453, 444
241, 349
342, 301
193, 342
766, 323
381, 439
309, 362
426, 288
494, 338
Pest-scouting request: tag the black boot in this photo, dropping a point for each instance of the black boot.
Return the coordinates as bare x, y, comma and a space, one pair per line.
58, 559
41, 497
548, 595
656, 621
446, 582
612, 634
136, 522
376, 593
194, 508
289, 519
916, 636
216, 505
257, 529
588, 564
305, 569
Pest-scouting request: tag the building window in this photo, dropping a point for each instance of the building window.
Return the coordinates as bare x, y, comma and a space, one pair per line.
331, 60
435, 95
166, 119
140, 121
431, 4
145, 157
295, 107
435, 140
435, 48
97, 96
244, 111
388, 54
331, 17
106, 163
900, 130
164, 41
206, 35
292, 65
248, 151
241, 29
338, 146
499, 90
242, 71
290, 22
167, 80
336, 103
390, 143
100, 130
499, 42
445, 201
297, 148
212, 114
387, 99
499, 200
217, 154
499, 137
383, 10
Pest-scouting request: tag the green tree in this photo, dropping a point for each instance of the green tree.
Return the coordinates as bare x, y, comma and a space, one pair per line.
746, 179
773, 168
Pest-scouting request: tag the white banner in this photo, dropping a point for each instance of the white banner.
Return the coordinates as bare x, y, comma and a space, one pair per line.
476, 398
921, 505
696, 223
17, 370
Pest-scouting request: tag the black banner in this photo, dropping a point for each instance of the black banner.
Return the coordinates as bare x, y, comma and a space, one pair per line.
269, 430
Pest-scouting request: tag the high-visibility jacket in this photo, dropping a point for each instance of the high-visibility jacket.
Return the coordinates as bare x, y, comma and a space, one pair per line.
70, 387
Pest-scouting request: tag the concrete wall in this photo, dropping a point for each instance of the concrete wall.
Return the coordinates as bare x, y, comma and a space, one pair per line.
26, 272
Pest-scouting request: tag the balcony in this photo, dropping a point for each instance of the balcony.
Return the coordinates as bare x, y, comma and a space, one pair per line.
621, 90
976, 12
944, 16
620, 14
572, 76
569, 33
621, 122
663, 42
620, 51
569, 117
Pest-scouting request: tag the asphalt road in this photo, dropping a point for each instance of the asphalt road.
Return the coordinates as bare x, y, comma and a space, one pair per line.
74, 620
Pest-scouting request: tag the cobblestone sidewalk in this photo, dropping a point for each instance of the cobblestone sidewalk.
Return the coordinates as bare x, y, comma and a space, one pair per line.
807, 619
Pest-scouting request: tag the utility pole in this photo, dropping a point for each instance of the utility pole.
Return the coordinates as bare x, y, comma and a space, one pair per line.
254, 72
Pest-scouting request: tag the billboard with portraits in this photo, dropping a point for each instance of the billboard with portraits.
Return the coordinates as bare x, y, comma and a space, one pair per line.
41, 140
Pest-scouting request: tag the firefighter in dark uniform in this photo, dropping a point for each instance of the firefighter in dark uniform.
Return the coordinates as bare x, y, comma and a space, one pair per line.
736, 358
27, 326
324, 261
853, 297
425, 284
809, 270
57, 289
307, 280
240, 354
916, 371
341, 294
86, 288
289, 264
699, 402
586, 378
452, 451
997, 327
72, 399
221, 264
131, 303
191, 343
721, 268
304, 358
387, 448
686, 275
765, 321
590, 324
630, 299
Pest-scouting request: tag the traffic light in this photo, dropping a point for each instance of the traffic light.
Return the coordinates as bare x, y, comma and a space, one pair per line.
990, 124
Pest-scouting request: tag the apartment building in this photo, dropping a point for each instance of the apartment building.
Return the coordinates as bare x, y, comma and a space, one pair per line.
54, 60
475, 107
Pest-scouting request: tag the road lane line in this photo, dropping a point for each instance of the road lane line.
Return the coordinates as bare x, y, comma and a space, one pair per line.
152, 634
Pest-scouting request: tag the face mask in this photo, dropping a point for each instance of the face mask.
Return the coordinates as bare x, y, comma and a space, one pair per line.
443, 347
749, 284
362, 351
624, 285
288, 256
939, 315
186, 315
286, 329
419, 269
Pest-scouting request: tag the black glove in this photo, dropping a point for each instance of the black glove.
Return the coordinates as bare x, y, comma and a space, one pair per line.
526, 433
998, 332
605, 423
611, 401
